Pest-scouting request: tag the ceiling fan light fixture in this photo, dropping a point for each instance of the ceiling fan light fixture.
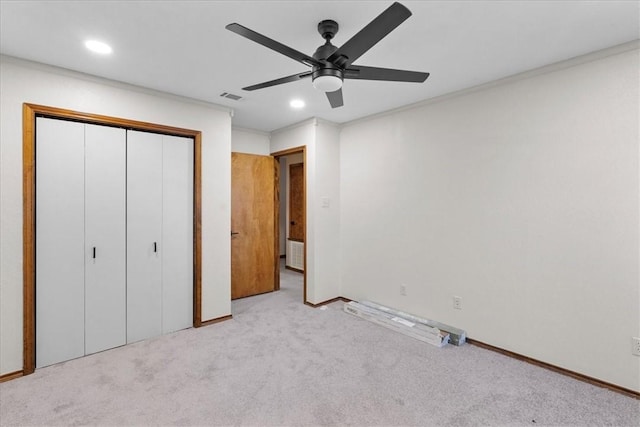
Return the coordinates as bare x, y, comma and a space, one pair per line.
327, 83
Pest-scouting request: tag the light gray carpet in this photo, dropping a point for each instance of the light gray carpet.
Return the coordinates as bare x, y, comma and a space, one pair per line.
279, 362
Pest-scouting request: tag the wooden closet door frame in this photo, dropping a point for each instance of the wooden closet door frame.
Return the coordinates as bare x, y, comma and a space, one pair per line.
29, 114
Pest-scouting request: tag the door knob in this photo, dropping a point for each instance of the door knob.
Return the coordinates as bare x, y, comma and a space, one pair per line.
233, 233
292, 223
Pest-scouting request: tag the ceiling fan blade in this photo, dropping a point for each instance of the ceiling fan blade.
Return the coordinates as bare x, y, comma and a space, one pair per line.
387, 74
293, 78
375, 31
272, 44
335, 98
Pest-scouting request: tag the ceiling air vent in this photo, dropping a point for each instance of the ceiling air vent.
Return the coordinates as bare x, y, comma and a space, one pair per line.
230, 96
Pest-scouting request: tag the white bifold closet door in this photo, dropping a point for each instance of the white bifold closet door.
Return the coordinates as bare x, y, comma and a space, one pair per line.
177, 233
59, 241
159, 234
80, 204
144, 235
105, 238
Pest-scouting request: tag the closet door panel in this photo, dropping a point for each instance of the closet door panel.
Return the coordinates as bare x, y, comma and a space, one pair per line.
105, 238
59, 241
177, 234
144, 233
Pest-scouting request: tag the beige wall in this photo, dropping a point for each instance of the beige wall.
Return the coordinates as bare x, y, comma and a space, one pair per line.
249, 141
522, 199
322, 174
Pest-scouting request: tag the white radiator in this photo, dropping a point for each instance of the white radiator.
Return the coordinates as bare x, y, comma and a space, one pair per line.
295, 255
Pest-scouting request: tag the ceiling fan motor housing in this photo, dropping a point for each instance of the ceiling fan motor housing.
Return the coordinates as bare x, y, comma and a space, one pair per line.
327, 68
328, 71
327, 29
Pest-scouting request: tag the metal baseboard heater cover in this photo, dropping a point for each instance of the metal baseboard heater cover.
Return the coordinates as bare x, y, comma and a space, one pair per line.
456, 336
419, 331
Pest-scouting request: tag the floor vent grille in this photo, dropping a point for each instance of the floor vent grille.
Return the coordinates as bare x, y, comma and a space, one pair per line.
295, 255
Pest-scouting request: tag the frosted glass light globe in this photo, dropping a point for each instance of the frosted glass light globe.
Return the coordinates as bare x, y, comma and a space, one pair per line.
327, 83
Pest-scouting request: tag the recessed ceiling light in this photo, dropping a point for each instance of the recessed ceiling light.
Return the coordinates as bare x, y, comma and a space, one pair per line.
98, 47
297, 103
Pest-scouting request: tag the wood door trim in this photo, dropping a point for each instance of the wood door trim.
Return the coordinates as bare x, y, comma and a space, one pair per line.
329, 301
10, 376
580, 377
276, 224
277, 154
288, 151
197, 229
216, 320
29, 114
28, 236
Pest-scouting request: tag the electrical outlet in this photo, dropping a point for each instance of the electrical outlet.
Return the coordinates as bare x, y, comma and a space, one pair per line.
635, 349
403, 290
457, 303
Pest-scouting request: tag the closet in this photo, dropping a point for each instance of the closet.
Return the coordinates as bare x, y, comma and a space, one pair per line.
114, 237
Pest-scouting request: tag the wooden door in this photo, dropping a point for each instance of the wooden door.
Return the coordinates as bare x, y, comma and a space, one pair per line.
254, 204
296, 202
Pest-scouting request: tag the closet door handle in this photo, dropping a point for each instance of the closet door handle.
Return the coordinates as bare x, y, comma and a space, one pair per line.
94, 252
155, 247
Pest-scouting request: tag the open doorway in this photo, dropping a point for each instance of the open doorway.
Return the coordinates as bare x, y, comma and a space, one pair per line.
291, 185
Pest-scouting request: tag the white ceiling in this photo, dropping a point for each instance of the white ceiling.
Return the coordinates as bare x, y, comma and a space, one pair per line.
182, 47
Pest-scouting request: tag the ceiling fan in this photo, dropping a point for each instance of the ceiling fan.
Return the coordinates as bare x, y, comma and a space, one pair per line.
330, 65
